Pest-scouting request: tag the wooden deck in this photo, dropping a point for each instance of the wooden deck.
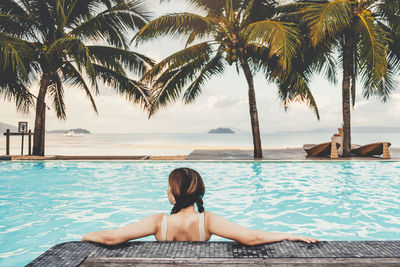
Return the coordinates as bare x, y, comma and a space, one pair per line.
273, 154
324, 253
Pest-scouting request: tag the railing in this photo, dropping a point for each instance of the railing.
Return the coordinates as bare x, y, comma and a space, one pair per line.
29, 134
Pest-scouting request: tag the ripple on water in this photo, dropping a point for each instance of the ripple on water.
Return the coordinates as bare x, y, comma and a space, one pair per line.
45, 203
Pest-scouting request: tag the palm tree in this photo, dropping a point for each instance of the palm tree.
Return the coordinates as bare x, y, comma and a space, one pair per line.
68, 43
248, 34
363, 32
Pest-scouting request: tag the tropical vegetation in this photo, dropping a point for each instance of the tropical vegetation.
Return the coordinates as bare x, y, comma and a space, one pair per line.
68, 43
248, 34
365, 35
72, 43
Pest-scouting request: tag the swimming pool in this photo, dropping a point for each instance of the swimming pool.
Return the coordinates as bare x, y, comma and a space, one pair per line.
46, 203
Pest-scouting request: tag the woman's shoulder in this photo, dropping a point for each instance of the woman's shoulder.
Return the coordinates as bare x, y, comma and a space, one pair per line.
157, 216
210, 216
160, 215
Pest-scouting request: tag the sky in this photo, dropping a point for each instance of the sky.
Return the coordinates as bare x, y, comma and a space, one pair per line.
223, 103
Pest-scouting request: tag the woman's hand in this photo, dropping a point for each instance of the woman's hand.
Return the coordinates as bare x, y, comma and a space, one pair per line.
302, 238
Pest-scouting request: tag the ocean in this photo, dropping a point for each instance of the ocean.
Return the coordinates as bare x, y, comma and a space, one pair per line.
179, 144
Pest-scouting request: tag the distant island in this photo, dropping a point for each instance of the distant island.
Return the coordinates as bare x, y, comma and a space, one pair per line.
221, 131
77, 131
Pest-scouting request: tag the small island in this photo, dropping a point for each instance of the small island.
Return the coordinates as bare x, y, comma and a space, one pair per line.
221, 131
76, 131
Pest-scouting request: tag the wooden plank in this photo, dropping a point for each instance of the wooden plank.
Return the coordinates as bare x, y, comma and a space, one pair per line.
22, 144
7, 134
30, 143
334, 151
386, 152
17, 134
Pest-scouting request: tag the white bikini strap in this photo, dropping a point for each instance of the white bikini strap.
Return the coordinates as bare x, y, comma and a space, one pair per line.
164, 228
202, 233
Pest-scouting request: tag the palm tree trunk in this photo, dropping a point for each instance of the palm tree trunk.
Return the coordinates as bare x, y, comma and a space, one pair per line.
253, 108
347, 73
38, 136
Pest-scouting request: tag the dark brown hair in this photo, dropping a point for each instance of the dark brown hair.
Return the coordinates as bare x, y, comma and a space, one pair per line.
188, 188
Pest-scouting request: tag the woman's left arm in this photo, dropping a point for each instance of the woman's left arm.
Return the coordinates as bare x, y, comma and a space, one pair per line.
145, 227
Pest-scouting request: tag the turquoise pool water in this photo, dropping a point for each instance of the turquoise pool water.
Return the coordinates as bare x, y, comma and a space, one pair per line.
46, 203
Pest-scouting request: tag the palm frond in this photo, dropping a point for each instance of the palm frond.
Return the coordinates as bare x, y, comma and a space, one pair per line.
372, 60
41, 12
322, 60
199, 51
214, 67
134, 92
327, 19
175, 24
118, 59
281, 38
169, 82
293, 87
56, 92
259, 10
16, 21
212, 7
17, 26
12, 88
71, 76
76, 49
393, 46
388, 11
382, 88
14, 51
113, 23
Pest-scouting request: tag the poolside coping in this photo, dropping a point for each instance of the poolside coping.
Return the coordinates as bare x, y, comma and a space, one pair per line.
147, 253
296, 153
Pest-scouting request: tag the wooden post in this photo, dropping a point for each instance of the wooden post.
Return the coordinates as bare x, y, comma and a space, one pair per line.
30, 142
8, 142
334, 152
22, 144
386, 152
43, 129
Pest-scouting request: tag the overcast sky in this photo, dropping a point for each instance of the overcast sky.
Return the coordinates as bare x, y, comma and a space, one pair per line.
223, 103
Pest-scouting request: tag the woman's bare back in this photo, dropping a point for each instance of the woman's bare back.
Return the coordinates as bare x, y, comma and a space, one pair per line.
182, 227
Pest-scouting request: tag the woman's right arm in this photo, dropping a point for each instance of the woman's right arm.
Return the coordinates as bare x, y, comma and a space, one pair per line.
219, 226
145, 227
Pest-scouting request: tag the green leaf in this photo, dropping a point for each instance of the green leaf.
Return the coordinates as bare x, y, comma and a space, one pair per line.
213, 68
281, 38
56, 92
72, 77
327, 20
176, 24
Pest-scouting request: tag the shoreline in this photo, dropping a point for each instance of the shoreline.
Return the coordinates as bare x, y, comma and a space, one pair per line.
220, 154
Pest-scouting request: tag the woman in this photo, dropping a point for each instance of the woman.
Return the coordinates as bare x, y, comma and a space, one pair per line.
185, 188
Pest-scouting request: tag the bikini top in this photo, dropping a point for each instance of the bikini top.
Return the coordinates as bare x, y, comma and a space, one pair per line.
202, 232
